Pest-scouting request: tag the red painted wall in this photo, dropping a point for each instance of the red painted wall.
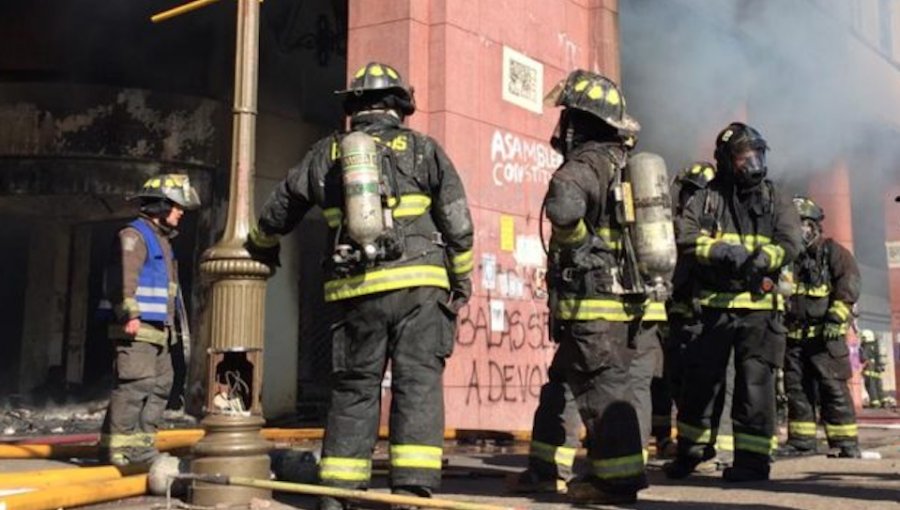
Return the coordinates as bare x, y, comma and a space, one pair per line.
451, 51
892, 234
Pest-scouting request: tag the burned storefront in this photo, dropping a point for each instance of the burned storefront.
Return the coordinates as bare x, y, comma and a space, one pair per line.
94, 99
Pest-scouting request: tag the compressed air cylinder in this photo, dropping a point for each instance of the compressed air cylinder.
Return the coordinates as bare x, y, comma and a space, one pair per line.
362, 195
653, 233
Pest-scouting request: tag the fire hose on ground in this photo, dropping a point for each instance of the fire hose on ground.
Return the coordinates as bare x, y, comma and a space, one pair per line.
168, 440
359, 495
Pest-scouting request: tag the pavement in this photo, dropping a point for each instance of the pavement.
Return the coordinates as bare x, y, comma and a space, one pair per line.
477, 473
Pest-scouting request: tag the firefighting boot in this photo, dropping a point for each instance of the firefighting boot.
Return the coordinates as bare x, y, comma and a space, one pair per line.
845, 452
589, 490
530, 482
409, 490
666, 448
793, 450
744, 474
329, 503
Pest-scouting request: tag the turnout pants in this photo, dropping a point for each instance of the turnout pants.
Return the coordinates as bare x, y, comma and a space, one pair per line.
668, 389
557, 421
872, 381
554, 433
814, 367
414, 331
757, 339
605, 365
143, 381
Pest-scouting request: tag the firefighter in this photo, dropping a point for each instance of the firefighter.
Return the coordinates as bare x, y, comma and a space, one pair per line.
557, 425
399, 294
817, 360
603, 342
142, 300
739, 236
684, 325
872, 367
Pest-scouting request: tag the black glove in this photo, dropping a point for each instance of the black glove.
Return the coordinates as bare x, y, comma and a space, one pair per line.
460, 292
731, 256
758, 263
263, 248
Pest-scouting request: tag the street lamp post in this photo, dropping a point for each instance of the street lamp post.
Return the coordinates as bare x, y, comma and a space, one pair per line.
233, 444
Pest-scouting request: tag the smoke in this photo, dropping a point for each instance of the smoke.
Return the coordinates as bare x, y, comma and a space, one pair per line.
811, 75
795, 70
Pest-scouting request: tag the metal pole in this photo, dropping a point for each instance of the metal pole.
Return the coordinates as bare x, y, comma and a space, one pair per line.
233, 444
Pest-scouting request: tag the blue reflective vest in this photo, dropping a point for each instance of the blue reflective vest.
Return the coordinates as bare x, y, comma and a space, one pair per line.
152, 293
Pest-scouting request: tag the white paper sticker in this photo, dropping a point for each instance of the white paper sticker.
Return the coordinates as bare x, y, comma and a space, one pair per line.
529, 251
498, 315
488, 271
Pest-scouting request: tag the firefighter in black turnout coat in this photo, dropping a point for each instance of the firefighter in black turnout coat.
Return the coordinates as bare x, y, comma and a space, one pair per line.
741, 234
601, 327
817, 362
399, 293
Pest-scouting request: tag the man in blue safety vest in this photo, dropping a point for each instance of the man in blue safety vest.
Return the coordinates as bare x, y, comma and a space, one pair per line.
142, 301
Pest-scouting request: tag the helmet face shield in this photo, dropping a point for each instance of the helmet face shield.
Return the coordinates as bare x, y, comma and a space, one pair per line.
749, 166
810, 231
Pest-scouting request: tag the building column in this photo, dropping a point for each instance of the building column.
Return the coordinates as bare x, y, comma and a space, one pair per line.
831, 191
892, 235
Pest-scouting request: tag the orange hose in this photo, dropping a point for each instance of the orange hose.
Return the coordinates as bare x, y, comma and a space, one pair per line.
76, 495
174, 439
65, 476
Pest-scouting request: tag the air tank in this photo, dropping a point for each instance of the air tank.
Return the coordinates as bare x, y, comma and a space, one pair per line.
653, 234
361, 173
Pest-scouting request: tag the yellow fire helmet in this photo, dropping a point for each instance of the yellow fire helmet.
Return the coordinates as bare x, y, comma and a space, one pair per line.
173, 187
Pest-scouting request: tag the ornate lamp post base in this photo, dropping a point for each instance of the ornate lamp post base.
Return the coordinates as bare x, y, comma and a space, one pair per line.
232, 445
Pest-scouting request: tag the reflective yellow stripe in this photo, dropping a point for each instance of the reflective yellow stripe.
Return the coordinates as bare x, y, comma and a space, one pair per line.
569, 236
848, 430
807, 332
755, 444
345, 469
558, 455
259, 238
775, 254
802, 289
841, 310
611, 237
751, 242
694, 434
416, 456
608, 309
703, 247
383, 280
655, 311
136, 440
333, 216
746, 300
619, 467
462, 262
413, 204
802, 428
705, 243
725, 443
